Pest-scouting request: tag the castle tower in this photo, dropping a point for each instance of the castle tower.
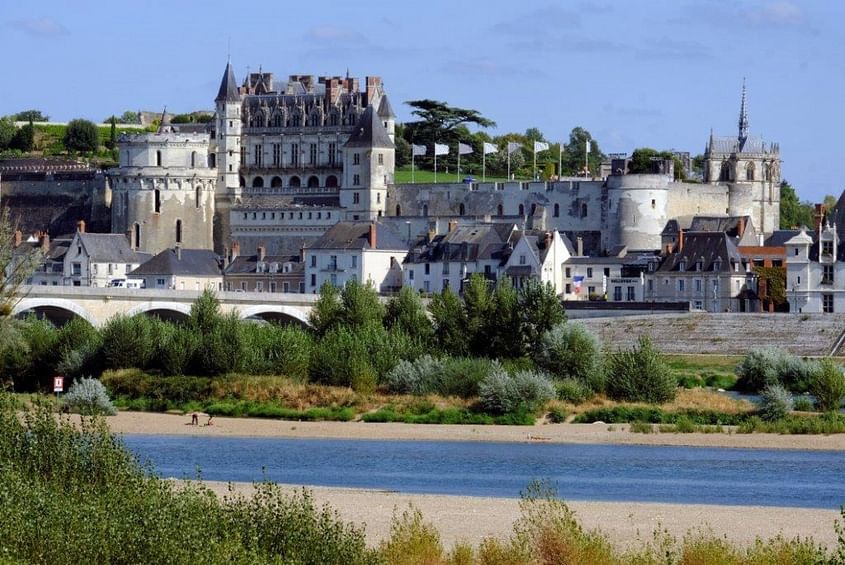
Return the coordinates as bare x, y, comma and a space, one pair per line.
750, 168
387, 117
163, 190
368, 167
228, 155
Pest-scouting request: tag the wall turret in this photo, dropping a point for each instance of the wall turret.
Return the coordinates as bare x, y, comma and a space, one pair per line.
368, 167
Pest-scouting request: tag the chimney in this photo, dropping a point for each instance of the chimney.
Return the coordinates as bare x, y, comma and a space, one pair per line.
236, 249
18, 238
453, 224
371, 236
261, 252
741, 226
45, 241
579, 246
818, 217
225, 258
547, 240
372, 86
80, 226
129, 237
178, 252
680, 246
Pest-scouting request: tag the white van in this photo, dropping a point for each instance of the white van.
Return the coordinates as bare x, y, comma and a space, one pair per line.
127, 283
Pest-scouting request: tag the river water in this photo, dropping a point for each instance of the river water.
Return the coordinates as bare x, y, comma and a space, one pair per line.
698, 475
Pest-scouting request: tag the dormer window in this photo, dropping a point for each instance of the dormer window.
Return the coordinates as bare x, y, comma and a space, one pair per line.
699, 265
717, 265
682, 266
827, 247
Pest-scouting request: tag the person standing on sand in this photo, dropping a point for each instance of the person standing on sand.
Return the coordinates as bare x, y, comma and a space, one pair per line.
195, 420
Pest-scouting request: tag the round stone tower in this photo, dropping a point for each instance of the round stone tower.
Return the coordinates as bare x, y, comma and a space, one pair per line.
636, 210
163, 191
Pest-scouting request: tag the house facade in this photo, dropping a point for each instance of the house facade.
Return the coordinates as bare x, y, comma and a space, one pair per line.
182, 269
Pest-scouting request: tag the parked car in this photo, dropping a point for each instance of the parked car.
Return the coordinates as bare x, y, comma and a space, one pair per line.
127, 283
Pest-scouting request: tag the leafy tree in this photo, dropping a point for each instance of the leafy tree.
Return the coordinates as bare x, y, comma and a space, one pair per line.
130, 117
16, 265
534, 134
31, 116
829, 202
793, 213
540, 310
575, 153
504, 334
405, 312
641, 160
112, 141
450, 322
205, 313
828, 386
82, 135
772, 283
326, 311
7, 132
360, 305
570, 351
640, 374
478, 305
440, 123
24, 138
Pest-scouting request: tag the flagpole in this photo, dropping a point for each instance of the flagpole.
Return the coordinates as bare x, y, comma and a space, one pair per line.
559, 161
508, 149
483, 164
412, 163
534, 176
435, 163
459, 161
587, 160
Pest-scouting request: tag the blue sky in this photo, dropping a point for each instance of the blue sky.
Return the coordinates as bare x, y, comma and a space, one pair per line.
656, 73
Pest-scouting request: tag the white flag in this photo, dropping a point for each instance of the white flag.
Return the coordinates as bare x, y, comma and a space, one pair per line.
588, 146
464, 149
540, 146
418, 150
513, 146
441, 149
490, 148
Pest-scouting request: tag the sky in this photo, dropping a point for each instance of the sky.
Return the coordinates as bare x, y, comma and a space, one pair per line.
653, 73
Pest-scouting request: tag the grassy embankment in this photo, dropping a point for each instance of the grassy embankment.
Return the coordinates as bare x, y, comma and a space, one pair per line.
75, 495
403, 176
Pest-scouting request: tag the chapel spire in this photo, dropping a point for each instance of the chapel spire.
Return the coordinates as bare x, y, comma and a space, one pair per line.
228, 86
743, 117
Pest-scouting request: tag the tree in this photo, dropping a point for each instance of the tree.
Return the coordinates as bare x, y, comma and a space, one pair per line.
478, 305
450, 322
641, 161
360, 305
7, 132
24, 138
405, 312
441, 123
505, 337
31, 116
640, 374
81, 135
326, 311
828, 386
112, 141
540, 310
829, 202
129, 117
575, 153
793, 213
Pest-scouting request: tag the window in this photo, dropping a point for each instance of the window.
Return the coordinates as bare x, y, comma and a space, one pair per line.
333, 152
276, 154
313, 261
499, 211
259, 286
521, 210
294, 154
827, 274
445, 284
312, 154
591, 291
356, 197
378, 197
827, 247
356, 158
428, 268
698, 305
568, 273
355, 263
356, 180
461, 210
178, 231
589, 272
749, 171
445, 267
76, 269
333, 279
617, 293
333, 262
650, 285
697, 283
157, 201
523, 260
631, 294
653, 203
556, 210
796, 252
411, 275
607, 271
198, 197
158, 158
798, 280
426, 286
258, 156
827, 303
682, 266
243, 285
285, 286
313, 280
136, 235
681, 285
568, 289
584, 210
161, 283
272, 287
381, 158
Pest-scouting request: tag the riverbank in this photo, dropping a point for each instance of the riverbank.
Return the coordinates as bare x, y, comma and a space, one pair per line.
172, 424
471, 519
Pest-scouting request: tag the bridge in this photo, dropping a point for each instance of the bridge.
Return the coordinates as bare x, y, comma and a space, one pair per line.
98, 305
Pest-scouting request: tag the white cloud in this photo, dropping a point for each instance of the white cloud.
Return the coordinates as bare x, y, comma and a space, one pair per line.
39, 27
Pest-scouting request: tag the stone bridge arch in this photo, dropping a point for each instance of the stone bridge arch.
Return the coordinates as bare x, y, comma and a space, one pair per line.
168, 311
276, 313
57, 310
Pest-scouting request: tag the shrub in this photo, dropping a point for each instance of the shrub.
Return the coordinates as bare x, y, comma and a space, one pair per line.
802, 404
828, 386
176, 346
775, 403
81, 135
78, 345
767, 366
29, 368
462, 375
271, 349
220, 349
570, 351
573, 391
501, 393
641, 428
412, 541
128, 342
421, 376
640, 375
89, 397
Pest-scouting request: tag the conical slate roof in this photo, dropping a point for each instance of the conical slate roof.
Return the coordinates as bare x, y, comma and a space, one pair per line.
385, 110
228, 87
369, 132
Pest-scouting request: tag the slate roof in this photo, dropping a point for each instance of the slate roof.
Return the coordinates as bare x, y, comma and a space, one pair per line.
355, 235
276, 201
228, 91
780, 237
247, 264
369, 132
466, 243
194, 262
734, 145
110, 248
707, 247
385, 110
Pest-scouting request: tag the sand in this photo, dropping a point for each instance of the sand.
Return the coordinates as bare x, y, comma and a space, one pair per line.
171, 424
470, 519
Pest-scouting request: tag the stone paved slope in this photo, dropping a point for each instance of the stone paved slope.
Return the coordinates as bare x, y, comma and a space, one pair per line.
726, 334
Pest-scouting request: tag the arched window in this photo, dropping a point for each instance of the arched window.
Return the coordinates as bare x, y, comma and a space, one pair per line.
331, 181
313, 182
749, 171
158, 158
314, 119
257, 120
136, 235
276, 182
157, 201
294, 182
521, 210
500, 210
198, 196
557, 210
241, 182
178, 231
277, 120
461, 209
296, 120
212, 161
584, 210
425, 210
767, 171
725, 172
334, 118
258, 182
193, 159
533, 209
398, 210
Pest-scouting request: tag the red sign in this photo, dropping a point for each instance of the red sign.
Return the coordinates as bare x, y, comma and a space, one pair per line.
58, 384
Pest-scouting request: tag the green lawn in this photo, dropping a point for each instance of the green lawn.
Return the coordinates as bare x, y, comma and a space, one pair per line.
716, 371
403, 176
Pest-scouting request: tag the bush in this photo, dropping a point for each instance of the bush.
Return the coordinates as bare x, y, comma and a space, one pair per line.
89, 397
81, 135
420, 377
501, 393
462, 375
128, 342
30, 368
654, 415
570, 351
271, 349
802, 404
220, 349
640, 375
176, 346
763, 367
828, 386
572, 391
775, 403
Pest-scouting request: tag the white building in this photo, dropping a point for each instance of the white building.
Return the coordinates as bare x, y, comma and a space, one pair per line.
367, 252
95, 259
815, 271
182, 269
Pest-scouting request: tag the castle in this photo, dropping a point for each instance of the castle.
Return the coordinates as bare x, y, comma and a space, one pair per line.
283, 161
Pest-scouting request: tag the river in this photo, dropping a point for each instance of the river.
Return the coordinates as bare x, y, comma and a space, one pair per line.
810, 479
